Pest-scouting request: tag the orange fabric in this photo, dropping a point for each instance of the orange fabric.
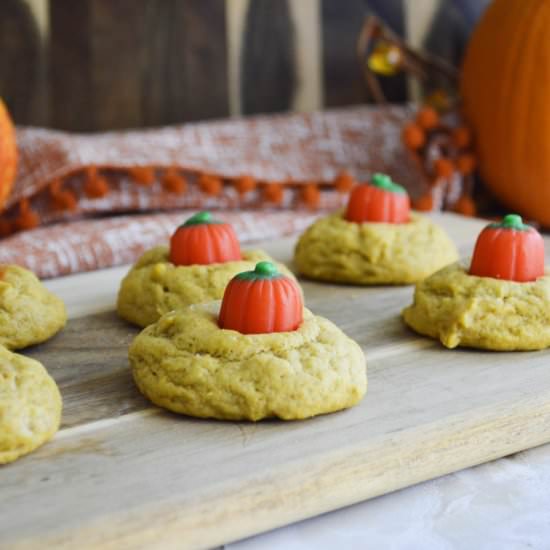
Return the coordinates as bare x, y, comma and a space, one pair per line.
73, 190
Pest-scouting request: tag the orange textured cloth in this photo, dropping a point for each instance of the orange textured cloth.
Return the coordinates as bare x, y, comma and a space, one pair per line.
78, 201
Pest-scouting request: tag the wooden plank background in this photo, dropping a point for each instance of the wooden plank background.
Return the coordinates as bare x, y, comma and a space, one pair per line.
107, 64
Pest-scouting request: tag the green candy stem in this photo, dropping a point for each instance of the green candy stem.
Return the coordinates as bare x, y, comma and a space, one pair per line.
383, 181
513, 221
198, 218
263, 270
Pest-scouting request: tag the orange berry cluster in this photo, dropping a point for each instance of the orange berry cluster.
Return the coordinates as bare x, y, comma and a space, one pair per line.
444, 155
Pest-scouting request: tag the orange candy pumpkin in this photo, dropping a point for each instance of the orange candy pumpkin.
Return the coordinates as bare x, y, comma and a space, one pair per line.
8, 154
382, 200
509, 250
202, 240
261, 301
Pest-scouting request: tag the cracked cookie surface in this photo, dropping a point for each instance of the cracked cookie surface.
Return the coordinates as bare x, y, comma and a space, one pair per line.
29, 312
333, 249
30, 405
481, 312
187, 364
154, 286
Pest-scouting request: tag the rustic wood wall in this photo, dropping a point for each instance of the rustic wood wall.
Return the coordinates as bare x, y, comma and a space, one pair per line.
101, 64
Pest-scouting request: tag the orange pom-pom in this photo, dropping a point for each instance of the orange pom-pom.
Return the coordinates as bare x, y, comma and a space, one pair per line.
311, 195
61, 199
210, 185
142, 175
273, 192
465, 206
413, 136
427, 118
344, 181
8, 154
27, 219
65, 200
174, 182
245, 184
424, 203
96, 186
466, 163
444, 167
461, 137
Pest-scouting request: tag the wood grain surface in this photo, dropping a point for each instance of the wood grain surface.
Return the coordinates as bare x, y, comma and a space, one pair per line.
123, 474
105, 64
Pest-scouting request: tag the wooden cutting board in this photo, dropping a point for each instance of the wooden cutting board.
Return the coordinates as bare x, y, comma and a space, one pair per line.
123, 474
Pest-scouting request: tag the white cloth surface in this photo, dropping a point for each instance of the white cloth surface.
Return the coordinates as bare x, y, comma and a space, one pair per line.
501, 505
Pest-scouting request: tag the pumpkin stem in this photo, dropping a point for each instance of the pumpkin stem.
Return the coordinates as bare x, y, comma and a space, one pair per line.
383, 181
512, 221
265, 269
198, 218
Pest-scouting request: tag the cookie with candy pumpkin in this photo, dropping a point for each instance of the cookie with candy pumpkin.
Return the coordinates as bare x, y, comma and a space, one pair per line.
500, 301
202, 257
376, 240
259, 354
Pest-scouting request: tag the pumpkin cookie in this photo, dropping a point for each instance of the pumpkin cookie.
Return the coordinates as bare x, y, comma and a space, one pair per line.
29, 313
377, 240
263, 356
501, 302
202, 258
30, 406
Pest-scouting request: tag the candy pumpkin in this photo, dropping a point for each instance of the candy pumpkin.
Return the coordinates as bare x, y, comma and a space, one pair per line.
8, 154
509, 250
261, 301
202, 240
381, 200
505, 87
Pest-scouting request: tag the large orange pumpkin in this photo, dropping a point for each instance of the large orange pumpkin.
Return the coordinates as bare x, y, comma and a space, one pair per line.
505, 88
8, 154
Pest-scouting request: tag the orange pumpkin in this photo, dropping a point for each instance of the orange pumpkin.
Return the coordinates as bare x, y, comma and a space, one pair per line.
202, 240
505, 87
8, 154
509, 250
380, 201
261, 301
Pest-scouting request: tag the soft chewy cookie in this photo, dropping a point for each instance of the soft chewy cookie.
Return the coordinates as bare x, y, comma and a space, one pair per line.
204, 254
335, 249
481, 312
30, 405
187, 364
29, 313
155, 285
499, 302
